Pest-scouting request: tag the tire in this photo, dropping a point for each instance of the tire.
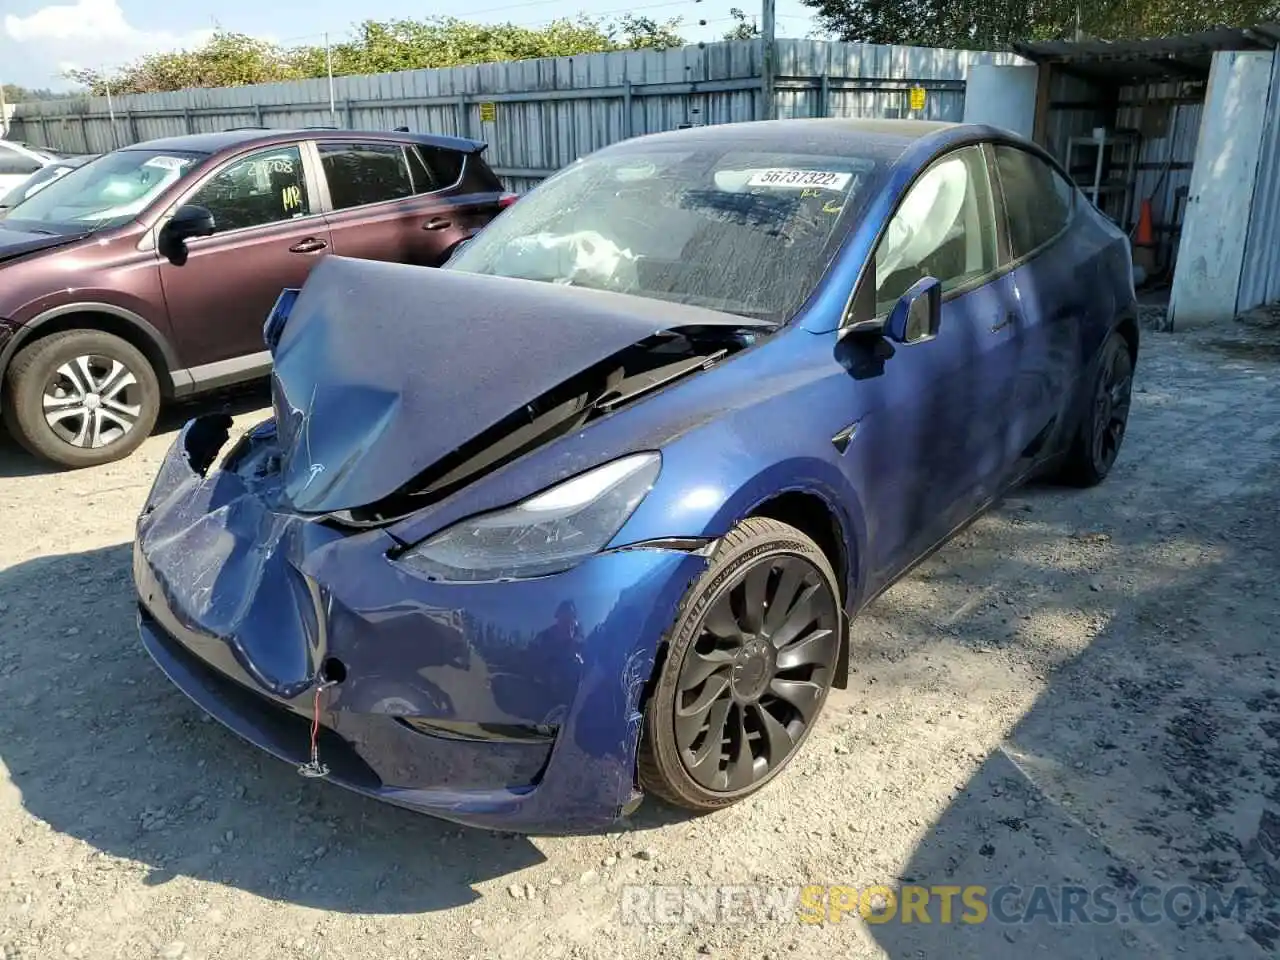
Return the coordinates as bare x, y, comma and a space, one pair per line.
1103, 422
66, 400
755, 655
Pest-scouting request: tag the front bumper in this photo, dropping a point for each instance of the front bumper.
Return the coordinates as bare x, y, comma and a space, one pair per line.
243, 604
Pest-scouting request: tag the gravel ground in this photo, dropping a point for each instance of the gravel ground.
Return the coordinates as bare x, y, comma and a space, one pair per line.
1080, 690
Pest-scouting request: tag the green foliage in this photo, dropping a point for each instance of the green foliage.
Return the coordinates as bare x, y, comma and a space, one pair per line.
233, 59
997, 24
16, 94
743, 28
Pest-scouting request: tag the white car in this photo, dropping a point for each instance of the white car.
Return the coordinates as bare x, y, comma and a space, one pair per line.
19, 161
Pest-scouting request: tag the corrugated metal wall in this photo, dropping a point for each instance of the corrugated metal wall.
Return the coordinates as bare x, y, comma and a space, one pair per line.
1260, 276
549, 112
1167, 114
1075, 108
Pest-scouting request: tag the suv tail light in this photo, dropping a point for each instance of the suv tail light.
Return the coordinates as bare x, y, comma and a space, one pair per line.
507, 199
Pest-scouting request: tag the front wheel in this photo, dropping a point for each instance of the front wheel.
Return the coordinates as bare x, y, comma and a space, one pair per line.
749, 664
81, 398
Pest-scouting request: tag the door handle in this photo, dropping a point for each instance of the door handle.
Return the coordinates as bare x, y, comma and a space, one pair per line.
309, 245
1010, 318
437, 223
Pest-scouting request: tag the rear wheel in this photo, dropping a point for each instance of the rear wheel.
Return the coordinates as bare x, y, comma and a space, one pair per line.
749, 664
1098, 438
81, 398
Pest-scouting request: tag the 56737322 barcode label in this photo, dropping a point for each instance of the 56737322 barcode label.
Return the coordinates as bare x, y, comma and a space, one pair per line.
800, 179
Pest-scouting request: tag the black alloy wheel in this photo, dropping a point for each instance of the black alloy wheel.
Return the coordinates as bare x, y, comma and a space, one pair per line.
1102, 426
748, 670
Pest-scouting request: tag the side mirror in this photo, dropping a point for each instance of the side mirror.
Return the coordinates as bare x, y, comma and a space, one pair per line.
188, 221
917, 314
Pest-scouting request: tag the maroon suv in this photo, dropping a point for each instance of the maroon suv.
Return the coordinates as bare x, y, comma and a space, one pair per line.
147, 274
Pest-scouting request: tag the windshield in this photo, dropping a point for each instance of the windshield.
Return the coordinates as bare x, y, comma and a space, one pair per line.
106, 192
35, 183
745, 231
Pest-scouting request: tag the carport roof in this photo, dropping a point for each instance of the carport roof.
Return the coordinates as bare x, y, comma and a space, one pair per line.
1185, 57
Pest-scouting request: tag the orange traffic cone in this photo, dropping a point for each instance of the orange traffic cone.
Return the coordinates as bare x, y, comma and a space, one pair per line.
1146, 234
1144, 240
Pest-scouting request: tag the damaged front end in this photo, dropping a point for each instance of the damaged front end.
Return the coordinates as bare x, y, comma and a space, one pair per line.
491, 673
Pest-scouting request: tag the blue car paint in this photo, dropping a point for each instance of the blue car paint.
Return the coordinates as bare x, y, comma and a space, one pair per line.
232, 586
572, 650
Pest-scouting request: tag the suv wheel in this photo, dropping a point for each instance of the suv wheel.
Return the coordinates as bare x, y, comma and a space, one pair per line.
81, 398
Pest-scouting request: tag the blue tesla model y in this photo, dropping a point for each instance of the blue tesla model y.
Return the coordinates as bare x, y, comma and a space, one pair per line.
585, 514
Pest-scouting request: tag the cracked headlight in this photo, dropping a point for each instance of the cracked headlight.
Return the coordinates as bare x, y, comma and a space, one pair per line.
547, 533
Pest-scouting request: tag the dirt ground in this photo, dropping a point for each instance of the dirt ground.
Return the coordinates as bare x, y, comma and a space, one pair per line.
1082, 689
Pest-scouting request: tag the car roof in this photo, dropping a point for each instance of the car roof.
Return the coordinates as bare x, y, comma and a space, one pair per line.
249, 136
817, 133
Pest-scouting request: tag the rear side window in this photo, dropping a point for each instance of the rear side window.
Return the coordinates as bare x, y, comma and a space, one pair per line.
13, 163
363, 173
1038, 200
434, 168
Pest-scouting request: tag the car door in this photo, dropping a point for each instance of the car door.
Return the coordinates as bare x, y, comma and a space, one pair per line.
386, 202
1055, 292
267, 236
15, 167
929, 454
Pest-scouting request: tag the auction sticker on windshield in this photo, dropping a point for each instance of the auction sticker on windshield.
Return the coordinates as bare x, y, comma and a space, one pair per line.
801, 179
176, 164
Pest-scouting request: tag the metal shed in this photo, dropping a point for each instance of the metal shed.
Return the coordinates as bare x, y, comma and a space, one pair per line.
1190, 125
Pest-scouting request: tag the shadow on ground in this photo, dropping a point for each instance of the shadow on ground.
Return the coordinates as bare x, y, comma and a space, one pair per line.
1138, 801
103, 748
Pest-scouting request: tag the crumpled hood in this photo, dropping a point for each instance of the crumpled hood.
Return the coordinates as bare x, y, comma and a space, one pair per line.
383, 369
17, 243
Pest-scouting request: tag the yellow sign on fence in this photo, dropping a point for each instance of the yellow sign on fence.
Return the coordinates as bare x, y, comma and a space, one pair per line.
916, 98
488, 112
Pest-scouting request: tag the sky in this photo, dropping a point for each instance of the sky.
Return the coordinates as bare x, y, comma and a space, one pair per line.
40, 39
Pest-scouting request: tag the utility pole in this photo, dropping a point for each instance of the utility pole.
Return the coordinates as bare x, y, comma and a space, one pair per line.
111, 112
4, 115
768, 27
328, 64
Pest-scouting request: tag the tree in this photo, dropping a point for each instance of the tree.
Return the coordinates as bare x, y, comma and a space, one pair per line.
644, 33
998, 24
16, 94
232, 59
225, 60
743, 28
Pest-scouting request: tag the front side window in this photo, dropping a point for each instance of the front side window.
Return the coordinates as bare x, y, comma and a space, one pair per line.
264, 187
746, 231
363, 173
944, 228
1038, 200
106, 192
15, 163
